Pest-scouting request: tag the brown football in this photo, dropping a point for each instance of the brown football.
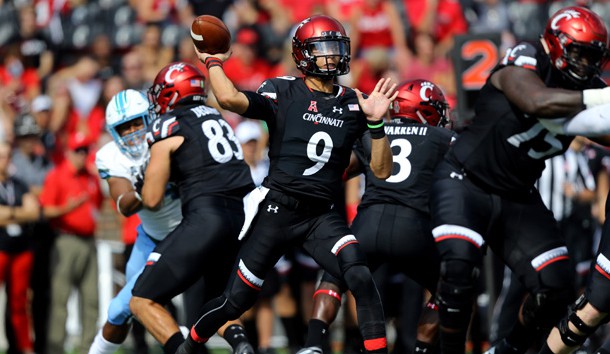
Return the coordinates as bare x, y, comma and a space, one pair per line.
210, 35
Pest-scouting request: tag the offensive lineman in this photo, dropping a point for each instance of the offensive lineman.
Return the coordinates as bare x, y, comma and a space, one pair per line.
393, 220
192, 145
119, 162
313, 124
483, 192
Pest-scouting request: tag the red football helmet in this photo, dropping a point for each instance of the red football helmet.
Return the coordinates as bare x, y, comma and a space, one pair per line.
176, 81
577, 41
421, 101
321, 37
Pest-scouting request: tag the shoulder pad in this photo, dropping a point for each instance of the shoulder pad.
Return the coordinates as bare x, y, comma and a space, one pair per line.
268, 89
523, 55
162, 127
110, 162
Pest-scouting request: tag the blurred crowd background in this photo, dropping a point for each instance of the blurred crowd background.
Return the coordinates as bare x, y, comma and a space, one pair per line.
62, 60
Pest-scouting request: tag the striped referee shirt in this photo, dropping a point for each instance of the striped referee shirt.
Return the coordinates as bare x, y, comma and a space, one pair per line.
569, 168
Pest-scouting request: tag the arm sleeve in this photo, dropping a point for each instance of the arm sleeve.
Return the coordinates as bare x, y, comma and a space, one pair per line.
263, 103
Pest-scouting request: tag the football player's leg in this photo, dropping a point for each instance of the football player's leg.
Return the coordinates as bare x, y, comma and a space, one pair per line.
590, 310
461, 213
415, 256
533, 249
345, 260
116, 328
258, 254
327, 302
178, 261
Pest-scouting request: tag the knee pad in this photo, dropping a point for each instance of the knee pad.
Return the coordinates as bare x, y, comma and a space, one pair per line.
328, 278
456, 292
349, 256
542, 310
358, 278
569, 337
239, 298
118, 312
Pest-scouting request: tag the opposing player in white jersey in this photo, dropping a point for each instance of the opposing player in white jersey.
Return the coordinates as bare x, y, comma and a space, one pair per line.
119, 163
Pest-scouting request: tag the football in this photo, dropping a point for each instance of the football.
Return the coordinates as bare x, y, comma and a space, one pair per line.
210, 35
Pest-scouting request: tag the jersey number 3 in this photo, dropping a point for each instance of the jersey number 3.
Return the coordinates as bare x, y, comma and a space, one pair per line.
219, 133
404, 165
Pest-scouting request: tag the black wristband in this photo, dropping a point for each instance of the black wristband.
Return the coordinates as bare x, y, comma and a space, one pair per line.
212, 61
376, 128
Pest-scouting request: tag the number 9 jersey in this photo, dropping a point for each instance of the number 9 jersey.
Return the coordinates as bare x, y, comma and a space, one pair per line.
312, 135
212, 163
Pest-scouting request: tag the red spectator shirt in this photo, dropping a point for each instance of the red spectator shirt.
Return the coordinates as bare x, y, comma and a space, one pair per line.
374, 28
64, 183
450, 20
246, 77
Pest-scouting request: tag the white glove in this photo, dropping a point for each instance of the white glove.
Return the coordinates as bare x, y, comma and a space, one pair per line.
595, 97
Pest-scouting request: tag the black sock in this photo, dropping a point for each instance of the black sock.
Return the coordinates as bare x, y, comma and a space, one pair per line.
353, 340
453, 342
235, 334
251, 331
317, 333
423, 347
294, 331
521, 338
173, 343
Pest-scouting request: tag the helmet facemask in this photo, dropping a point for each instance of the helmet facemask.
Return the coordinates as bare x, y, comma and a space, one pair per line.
133, 143
334, 52
584, 61
440, 108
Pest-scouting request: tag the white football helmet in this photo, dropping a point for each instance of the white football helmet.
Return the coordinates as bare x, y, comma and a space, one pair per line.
124, 107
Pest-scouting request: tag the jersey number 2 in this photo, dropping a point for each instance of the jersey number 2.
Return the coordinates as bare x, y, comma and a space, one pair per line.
218, 144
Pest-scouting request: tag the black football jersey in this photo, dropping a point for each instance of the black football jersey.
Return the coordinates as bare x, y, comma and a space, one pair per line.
504, 149
416, 150
311, 135
14, 238
210, 160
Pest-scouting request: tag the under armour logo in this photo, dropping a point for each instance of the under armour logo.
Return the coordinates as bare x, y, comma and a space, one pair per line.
313, 107
335, 109
271, 208
456, 175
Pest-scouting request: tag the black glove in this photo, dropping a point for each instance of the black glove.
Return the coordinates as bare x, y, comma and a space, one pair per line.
139, 178
139, 183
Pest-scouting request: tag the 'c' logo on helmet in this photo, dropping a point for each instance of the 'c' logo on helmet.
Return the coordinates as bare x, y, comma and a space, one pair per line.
567, 15
425, 86
168, 74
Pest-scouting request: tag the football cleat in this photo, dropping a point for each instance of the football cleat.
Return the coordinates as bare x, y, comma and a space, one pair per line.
244, 348
310, 350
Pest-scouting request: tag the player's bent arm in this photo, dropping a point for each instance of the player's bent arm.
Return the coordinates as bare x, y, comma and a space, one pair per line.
158, 171
381, 158
528, 92
128, 202
227, 95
